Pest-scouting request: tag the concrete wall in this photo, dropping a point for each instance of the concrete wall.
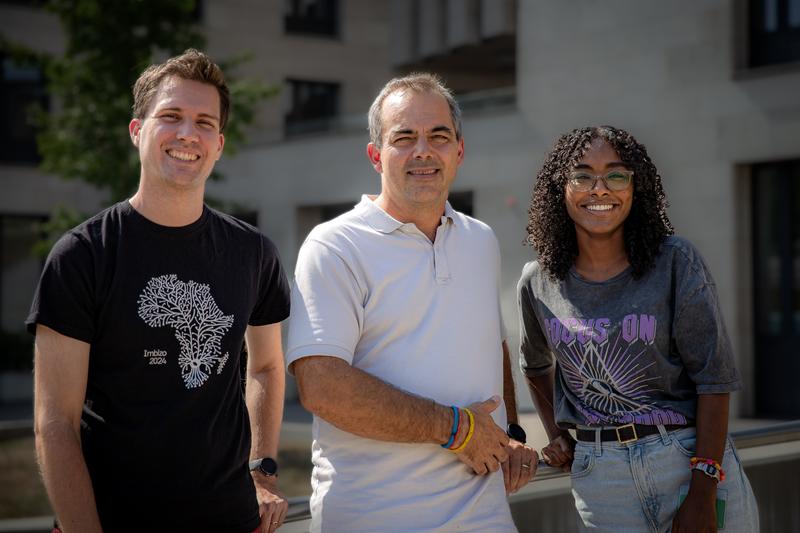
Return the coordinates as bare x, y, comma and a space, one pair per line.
358, 58
32, 27
669, 73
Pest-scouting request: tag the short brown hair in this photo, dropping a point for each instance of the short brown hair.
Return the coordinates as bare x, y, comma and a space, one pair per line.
190, 65
420, 82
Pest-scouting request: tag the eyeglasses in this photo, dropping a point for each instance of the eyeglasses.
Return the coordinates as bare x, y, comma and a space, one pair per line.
615, 180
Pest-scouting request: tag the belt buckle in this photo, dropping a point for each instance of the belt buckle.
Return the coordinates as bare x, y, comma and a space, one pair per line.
626, 441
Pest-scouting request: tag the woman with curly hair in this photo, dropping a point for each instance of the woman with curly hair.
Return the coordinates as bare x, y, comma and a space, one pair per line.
622, 340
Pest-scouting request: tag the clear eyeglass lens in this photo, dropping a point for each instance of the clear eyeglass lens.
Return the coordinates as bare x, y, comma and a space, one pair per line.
615, 181
582, 182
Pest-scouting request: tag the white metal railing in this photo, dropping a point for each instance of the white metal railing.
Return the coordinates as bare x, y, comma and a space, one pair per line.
744, 439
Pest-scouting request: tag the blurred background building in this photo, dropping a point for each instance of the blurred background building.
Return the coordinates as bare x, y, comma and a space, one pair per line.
711, 87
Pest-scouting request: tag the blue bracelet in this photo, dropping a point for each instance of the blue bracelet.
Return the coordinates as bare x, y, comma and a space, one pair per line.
455, 428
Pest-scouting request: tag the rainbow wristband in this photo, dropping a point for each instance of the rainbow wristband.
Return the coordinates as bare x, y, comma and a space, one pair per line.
454, 430
469, 433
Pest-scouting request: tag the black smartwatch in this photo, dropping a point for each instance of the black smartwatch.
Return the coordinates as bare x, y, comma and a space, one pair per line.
266, 465
516, 432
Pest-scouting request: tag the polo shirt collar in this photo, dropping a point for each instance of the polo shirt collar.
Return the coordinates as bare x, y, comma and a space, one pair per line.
382, 221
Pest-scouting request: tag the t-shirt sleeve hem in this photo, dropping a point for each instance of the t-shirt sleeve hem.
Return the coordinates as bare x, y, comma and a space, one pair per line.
63, 329
719, 388
272, 319
539, 371
310, 350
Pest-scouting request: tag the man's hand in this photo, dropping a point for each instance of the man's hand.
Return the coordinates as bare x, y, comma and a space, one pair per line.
272, 506
697, 513
560, 452
520, 467
487, 449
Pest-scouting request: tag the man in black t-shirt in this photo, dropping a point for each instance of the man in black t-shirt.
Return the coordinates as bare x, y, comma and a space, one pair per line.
140, 317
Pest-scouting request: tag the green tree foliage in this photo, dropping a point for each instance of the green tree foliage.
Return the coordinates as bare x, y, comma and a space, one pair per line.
108, 44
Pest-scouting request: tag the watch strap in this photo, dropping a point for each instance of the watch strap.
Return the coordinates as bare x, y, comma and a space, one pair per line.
266, 465
516, 432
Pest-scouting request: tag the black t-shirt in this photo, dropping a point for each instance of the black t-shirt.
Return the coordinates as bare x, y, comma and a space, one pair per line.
165, 431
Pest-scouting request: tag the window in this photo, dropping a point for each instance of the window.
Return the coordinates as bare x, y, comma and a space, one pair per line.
331, 211
19, 273
251, 217
20, 88
774, 32
197, 11
314, 106
461, 201
776, 284
318, 17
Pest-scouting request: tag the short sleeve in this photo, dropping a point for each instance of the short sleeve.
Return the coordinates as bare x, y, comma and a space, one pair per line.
327, 305
535, 357
273, 288
699, 332
65, 297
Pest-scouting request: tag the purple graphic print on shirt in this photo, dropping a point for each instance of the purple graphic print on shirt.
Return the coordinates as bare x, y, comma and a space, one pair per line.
608, 374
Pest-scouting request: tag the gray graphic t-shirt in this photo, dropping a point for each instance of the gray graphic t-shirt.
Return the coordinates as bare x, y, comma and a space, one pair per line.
628, 350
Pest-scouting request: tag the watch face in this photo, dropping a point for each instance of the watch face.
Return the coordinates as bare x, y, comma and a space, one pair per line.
516, 432
268, 466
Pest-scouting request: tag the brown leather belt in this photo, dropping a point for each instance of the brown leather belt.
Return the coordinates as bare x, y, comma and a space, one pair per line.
623, 434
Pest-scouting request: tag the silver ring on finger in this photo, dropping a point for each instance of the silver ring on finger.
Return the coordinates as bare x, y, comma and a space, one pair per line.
528, 465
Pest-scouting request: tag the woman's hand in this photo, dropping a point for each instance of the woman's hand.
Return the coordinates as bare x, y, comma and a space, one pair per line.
559, 452
698, 512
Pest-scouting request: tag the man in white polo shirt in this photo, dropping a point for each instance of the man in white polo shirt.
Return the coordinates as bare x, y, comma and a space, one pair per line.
397, 341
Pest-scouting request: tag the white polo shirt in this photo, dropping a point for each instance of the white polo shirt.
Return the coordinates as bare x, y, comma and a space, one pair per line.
424, 317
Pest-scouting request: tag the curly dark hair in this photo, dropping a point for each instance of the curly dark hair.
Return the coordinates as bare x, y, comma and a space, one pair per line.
552, 232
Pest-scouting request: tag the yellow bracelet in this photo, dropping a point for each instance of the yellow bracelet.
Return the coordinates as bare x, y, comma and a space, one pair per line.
469, 433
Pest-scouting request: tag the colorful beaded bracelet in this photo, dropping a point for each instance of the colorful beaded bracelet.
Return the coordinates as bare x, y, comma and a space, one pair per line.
709, 467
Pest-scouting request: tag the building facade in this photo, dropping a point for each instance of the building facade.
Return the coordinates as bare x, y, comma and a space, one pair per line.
711, 87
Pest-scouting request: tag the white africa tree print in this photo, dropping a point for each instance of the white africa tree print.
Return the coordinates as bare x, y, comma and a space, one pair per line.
199, 324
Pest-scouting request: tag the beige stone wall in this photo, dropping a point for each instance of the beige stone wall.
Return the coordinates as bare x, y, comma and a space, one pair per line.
358, 58
670, 72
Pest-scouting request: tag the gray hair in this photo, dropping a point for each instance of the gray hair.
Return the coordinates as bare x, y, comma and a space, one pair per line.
420, 82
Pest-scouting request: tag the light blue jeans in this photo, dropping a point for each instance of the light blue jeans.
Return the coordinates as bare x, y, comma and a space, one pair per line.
637, 487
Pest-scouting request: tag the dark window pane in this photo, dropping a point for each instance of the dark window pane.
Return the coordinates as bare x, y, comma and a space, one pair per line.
29, 3
770, 15
794, 13
314, 106
331, 211
795, 249
21, 87
197, 11
251, 217
774, 32
19, 268
311, 16
768, 182
461, 201
776, 286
